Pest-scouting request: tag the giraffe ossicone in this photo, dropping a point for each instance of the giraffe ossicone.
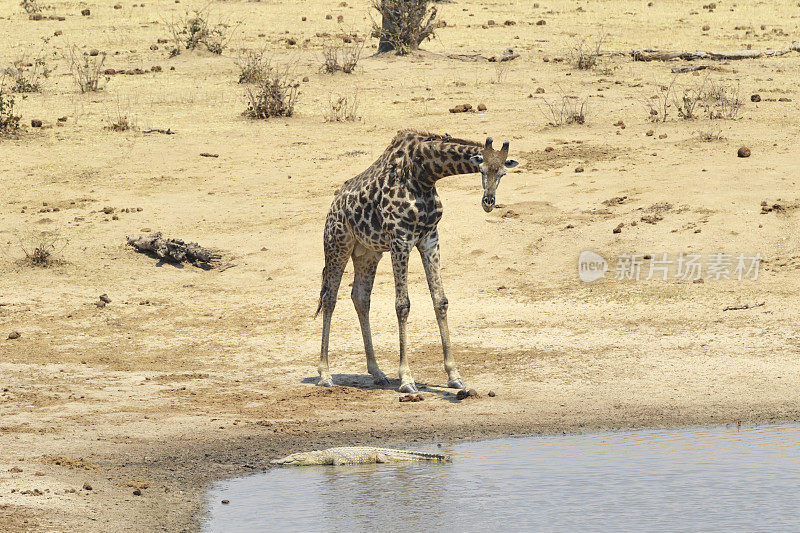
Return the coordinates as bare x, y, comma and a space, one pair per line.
393, 207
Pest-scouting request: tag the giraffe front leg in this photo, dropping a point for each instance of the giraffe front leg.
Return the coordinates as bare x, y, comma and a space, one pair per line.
429, 251
399, 251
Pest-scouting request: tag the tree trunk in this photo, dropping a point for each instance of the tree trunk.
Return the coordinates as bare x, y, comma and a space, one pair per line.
386, 29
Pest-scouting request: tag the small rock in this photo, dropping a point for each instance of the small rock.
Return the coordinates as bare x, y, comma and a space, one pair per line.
94, 52
472, 393
461, 108
706, 27
291, 42
650, 133
86, 486
755, 97
36, 123
618, 229
492, 394
86, 12
15, 470
328, 17
100, 304
305, 79
57, 33
62, 119
662, 136
490, 22
481, 107
225, 502
744, 152
540, 90
541, 22
510, 23
304, 19
548, 149
579, 169
137, 492
117, 6
153, 47
462, 394
14, 335
340, 19
105, 298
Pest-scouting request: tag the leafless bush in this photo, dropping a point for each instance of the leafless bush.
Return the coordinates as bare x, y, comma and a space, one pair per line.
501, 69
253, 64
342, 57
565, 110
28, 76
658, 104
40, 247
722, 102
31, 7
120, 120
405, 24
274, 94
9, 119
342, 108
87, 70
709, 99
586, 56
710, 135
193, 29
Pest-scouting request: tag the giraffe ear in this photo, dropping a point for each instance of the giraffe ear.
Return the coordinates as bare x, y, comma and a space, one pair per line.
476, 159
511, 163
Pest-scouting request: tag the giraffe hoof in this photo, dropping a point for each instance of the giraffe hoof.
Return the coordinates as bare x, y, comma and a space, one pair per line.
456, 384
408, 388
326, 382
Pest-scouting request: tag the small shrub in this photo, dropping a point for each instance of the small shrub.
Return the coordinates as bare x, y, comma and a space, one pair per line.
87, 70
342, 57
722, 102
193, 29
9, 120
40, 248
253, 65
274, 94
710, 135
586, 56
501, 69
28, 76
342, 108
405, 24
658, 104
32, 8
564, 111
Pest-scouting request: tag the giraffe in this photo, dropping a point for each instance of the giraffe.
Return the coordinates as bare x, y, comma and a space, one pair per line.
393, 207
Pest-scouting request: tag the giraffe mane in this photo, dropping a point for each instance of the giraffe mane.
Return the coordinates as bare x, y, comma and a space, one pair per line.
436, 137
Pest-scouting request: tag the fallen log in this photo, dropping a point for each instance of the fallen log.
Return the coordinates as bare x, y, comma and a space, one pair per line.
175, 250
649, 54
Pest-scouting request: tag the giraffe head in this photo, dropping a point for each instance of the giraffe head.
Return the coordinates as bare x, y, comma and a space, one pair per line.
492, 164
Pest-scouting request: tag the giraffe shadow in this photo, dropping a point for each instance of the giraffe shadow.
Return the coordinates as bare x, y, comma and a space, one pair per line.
364, 382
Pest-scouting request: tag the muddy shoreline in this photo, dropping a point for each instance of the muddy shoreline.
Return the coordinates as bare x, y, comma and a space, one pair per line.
180, 472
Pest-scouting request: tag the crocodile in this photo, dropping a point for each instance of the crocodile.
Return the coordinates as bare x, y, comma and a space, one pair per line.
358, 455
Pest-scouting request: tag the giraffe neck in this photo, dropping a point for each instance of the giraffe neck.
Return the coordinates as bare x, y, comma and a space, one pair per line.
434, 160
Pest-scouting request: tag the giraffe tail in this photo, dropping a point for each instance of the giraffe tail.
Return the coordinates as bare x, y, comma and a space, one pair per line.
321, 295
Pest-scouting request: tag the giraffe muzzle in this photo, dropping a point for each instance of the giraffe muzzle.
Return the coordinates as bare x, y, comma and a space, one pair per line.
488, 202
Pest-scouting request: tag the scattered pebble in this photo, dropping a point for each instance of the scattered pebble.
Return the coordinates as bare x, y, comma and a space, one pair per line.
225, 502
744, 152
14, 335
86, 486
36, 123
86, 12
481, 107
755, 97
461, 108
618, 229
579, 169
105, 298
137, 492
492, 394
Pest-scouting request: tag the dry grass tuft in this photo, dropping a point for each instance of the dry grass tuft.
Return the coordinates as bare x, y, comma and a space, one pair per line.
342, 108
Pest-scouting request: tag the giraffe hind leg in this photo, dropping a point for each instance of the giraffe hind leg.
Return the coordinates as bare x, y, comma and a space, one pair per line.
365, 263
337, 252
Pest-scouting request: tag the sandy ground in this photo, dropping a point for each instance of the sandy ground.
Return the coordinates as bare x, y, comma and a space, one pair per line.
188, 376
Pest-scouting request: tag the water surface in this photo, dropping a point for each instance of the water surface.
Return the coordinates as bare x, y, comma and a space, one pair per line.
709, 479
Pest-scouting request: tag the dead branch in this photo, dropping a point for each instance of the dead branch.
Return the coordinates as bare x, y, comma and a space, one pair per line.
682, 70
743, 306
649, 54
174, 250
